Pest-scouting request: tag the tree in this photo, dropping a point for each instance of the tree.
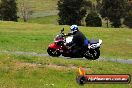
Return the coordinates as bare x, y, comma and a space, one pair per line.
128, 21
93, 20
128, 17
71, 11
98, 5
8, 10
25, 10
113, 10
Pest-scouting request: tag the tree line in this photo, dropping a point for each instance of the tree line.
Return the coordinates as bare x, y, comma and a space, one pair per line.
81, 12
115, 12
9, 10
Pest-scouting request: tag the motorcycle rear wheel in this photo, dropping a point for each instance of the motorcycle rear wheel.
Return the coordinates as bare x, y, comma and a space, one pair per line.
53, 52
93, 54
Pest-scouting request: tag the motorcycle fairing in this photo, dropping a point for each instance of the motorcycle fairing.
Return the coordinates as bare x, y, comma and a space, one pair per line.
54, 46
96, 44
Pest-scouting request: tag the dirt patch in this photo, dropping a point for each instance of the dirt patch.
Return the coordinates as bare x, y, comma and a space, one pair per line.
34, 65
71, 67
19, 65
59, 67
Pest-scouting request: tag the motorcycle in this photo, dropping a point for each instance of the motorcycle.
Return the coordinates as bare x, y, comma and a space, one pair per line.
59, 47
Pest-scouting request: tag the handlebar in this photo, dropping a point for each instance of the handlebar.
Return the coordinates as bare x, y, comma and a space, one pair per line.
62, 32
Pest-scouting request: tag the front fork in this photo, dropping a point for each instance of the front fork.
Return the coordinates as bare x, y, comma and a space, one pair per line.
59, 50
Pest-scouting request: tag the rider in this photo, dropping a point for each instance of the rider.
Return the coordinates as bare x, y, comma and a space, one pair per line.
79, 41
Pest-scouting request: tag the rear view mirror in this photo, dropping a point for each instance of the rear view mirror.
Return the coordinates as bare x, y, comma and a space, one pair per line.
62, 30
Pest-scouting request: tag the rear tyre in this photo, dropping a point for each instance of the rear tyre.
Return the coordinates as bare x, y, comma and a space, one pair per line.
98, 53
53, 52
93, 54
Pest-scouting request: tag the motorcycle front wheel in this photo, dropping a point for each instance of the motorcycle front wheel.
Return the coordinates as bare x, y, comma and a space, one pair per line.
53, 52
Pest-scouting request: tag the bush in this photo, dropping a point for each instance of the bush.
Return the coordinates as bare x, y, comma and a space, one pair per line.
116, 23
8, 10
71, 11
128, 21
93, 20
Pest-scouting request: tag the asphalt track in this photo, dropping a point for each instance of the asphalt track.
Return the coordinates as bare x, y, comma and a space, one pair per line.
129, 61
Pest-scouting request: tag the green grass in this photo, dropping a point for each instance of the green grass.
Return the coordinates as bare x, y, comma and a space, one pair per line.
40, 8
41, 5
29, 37
32, 72
44, 20
22, 71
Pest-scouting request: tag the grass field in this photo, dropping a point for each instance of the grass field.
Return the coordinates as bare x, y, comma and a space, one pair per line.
48, 72
25, 71
30, 37
44, 20
41, 5
40, 8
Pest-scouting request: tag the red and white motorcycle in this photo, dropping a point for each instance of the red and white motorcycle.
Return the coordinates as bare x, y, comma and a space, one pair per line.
59, 47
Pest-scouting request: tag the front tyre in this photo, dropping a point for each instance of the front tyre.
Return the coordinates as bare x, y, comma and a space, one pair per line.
53, 52
95, 53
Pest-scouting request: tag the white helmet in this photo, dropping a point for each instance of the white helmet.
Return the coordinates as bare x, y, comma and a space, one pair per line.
74, 28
